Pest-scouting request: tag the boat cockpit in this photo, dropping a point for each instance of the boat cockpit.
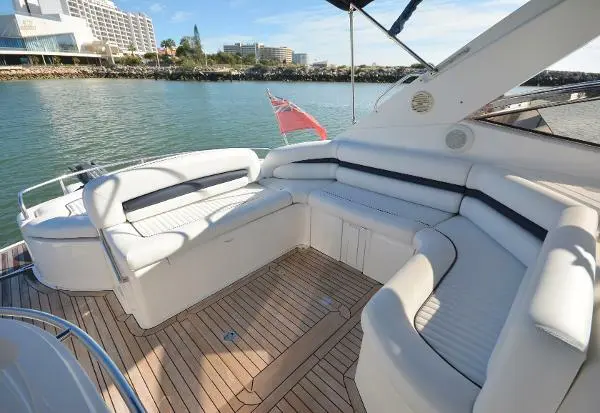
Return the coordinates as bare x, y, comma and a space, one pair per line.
438, 256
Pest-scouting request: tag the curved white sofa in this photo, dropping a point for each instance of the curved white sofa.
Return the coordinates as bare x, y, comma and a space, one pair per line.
488, 278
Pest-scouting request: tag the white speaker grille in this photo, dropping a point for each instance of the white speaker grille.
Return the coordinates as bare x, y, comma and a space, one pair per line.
422, 102
456, 139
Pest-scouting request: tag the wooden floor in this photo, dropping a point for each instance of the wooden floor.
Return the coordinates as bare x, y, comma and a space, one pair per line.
283, 339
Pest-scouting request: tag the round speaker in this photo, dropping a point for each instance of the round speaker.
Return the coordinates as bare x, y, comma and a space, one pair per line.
422, 102
459, 138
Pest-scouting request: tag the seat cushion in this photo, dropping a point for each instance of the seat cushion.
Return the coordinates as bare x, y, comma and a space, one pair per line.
390, 216
221, 207
147, 241
394, 357
463, 317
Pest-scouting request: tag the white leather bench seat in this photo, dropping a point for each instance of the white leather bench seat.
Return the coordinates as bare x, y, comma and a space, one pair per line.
155, 238
243, 205
462, 319
391, 216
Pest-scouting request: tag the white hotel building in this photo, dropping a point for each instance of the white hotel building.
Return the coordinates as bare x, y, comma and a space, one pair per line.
106, 21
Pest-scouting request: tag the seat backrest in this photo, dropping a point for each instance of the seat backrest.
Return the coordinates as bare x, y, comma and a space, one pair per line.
418, 177
306, 160
544, 340
167, 184
512, 210
429, 180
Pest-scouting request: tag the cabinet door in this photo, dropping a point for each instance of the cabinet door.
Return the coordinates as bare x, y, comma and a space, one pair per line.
354, 240
326, 233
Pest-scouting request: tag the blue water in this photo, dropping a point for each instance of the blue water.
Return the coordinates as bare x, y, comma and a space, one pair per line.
47, 125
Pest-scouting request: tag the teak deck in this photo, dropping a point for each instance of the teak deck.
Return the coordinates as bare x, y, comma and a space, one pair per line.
286, 338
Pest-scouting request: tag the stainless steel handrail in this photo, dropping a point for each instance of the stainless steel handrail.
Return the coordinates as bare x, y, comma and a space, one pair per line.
69, 329
389, 89
60, 179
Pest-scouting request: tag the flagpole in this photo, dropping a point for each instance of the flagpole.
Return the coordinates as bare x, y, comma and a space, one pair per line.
283, 135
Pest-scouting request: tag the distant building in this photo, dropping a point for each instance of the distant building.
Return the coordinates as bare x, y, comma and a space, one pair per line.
251, 49
322, 63
235, 48
50, 35
280, 54
300, 59
260, 51
107, 22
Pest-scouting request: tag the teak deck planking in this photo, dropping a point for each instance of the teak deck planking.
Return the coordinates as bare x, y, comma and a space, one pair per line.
285, 338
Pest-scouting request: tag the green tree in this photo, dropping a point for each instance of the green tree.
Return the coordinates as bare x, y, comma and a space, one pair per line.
76, 61
150, 55
129, 60
249, 59
196, 43
131, 48
56, 60
168, 44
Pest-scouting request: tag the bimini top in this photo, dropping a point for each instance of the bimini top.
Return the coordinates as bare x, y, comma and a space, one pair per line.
345, 4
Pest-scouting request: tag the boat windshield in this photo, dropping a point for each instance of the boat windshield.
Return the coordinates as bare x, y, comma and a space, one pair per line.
566, 112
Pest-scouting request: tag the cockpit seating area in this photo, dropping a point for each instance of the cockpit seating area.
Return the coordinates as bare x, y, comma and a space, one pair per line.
487, 277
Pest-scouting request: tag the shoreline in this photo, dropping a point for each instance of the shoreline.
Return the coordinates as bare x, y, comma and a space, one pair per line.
364, 74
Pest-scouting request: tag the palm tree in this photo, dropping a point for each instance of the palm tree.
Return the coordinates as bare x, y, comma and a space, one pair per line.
168, 44
131, 48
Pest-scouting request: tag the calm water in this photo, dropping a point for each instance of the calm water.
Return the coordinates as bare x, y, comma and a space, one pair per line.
48, 125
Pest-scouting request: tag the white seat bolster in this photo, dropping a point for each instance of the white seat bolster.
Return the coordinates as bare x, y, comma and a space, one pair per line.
533, 201
104, 196
419, 194
563, 303
306, 171
446, 169
72, 227
299, 189
422, 379
519, 242
297, 152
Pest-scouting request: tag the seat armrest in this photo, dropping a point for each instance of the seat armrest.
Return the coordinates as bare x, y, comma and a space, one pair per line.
563, 302
415, 281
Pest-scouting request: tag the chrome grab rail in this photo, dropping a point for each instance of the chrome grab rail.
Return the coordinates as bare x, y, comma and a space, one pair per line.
60, 179
403, 80
69, 329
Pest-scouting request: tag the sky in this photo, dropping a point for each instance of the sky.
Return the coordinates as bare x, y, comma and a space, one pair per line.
436, 30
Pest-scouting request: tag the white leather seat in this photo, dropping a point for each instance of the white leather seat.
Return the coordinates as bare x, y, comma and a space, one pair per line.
394, 217
182, 228
397, 370
503, 328
149, 240
65, 245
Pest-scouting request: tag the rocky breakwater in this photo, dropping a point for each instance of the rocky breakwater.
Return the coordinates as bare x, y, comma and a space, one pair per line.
257, 73
371, 74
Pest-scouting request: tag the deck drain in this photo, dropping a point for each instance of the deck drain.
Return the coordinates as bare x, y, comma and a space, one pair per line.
326, 301
230, 336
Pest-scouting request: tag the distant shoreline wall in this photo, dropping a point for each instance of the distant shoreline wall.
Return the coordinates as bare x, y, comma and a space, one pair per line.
364, 74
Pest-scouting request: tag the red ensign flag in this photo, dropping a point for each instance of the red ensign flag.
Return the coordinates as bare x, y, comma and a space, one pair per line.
291, 118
